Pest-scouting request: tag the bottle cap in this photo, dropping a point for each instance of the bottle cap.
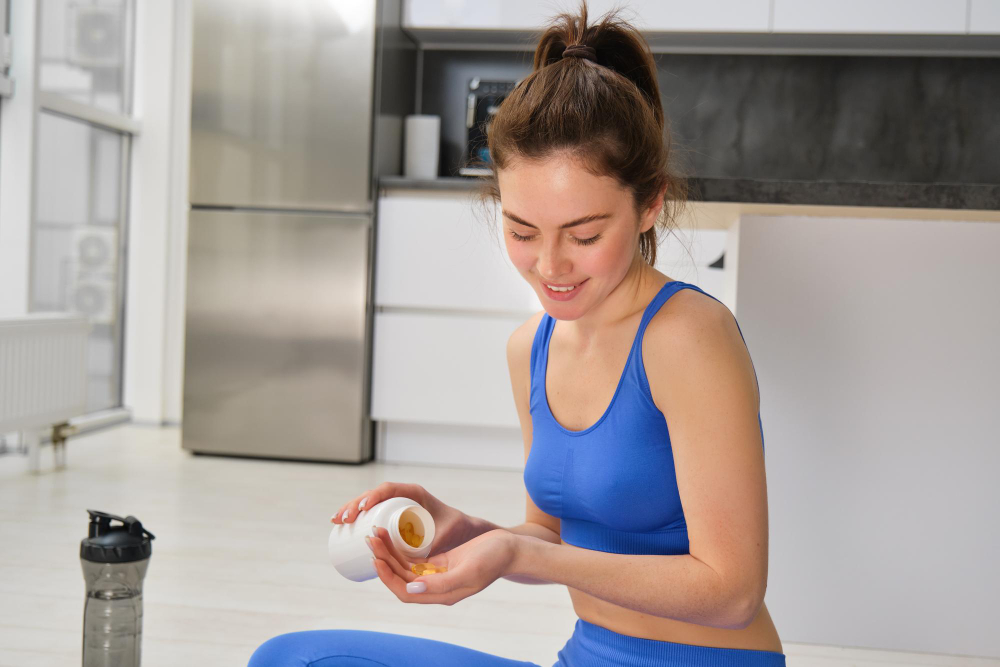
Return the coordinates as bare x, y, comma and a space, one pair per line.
115, 544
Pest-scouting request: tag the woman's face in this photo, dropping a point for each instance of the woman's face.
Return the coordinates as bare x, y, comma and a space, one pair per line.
567, 228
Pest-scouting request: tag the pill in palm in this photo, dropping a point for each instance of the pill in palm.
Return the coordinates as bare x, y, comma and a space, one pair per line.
421, 569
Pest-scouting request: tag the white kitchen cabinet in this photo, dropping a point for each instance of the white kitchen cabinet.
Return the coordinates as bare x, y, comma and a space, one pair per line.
928, 17
475, 14
984, 17
665, 16
462, 446
788, 27
442, 251
448, 369
647, 15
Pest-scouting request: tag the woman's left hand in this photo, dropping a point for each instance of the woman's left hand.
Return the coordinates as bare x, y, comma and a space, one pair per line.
472, 566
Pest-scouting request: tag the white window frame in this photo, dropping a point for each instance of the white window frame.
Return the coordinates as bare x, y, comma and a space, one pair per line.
55, 103
5, 85
155, 156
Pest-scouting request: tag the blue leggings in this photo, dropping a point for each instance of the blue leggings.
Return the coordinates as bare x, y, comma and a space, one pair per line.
589, 646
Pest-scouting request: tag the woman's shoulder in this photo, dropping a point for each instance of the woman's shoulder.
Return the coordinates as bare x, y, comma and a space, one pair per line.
690, 336
685, 310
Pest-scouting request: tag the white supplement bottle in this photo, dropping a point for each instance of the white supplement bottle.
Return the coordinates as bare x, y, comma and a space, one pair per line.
352, 557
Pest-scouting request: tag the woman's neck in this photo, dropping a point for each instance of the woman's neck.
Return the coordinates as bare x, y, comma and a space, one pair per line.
630, 296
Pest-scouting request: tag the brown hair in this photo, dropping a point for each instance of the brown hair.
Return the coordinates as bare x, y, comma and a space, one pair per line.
606, 112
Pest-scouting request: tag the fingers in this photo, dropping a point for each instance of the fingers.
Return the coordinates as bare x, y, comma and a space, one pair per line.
351, 510
435, 593
391, 556
386, 541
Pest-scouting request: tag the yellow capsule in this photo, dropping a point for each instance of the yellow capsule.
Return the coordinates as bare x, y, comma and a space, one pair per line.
421, 569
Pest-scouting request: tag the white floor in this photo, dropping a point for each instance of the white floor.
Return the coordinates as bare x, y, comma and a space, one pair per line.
240, 556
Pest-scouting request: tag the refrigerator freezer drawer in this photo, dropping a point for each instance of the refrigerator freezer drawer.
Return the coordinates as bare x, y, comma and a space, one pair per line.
275, 358
282, 96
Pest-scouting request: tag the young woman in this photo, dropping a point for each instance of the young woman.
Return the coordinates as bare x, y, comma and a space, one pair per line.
660, 534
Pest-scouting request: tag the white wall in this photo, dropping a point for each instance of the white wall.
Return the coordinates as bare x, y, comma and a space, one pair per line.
173, 353
876, 346
158, 214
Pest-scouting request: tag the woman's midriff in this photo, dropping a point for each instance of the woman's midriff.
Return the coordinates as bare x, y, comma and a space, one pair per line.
760, 635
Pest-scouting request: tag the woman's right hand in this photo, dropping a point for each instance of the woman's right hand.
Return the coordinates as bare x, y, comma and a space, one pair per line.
451, 526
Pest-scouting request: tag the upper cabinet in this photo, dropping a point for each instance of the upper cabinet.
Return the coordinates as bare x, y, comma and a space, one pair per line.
925, 17
706, 16
647, 15
899, 27
474, 15
984, 17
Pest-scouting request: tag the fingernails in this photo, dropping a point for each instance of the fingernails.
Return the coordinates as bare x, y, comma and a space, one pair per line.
374, 531
368, 541
361, 505
416, 587
346, 512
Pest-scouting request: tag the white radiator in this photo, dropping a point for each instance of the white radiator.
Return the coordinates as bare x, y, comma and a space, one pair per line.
43, 374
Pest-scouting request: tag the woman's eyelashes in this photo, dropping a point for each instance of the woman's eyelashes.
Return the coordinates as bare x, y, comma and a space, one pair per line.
518, 237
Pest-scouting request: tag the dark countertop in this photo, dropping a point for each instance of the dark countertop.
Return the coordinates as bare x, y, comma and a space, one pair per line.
962, 196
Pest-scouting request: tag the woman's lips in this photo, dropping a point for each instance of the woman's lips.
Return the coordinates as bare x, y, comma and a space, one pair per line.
562, 295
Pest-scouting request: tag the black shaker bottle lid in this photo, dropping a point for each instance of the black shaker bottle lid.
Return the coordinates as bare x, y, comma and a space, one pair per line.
115, 544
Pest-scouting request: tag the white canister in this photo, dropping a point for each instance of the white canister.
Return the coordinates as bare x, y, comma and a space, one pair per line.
421, 146
352, 557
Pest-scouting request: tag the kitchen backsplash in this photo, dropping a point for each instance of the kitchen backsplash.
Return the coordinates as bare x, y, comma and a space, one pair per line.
837, 118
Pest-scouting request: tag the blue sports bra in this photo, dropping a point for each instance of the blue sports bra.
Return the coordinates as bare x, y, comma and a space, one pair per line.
612, 485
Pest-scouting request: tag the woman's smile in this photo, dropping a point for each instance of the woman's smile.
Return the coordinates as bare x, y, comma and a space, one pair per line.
563, 292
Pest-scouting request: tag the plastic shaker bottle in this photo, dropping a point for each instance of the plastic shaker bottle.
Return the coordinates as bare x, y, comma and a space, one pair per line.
114, 561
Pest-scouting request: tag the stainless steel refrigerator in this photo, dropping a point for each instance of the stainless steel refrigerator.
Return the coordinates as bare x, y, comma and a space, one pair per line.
297, 106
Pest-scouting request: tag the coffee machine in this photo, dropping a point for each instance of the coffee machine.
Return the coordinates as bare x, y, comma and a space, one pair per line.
482, 102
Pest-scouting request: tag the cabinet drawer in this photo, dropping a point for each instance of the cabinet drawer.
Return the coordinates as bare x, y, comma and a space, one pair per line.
445, 252
441, 368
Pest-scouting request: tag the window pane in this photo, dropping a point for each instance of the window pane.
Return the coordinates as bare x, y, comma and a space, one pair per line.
85, 51
76, 240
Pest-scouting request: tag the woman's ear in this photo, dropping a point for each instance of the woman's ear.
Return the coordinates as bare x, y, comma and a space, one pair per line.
651, 214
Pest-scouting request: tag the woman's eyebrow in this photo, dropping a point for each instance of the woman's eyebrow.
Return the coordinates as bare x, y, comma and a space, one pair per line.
574, 223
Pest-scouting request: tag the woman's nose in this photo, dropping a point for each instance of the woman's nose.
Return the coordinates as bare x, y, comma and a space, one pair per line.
553, 264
